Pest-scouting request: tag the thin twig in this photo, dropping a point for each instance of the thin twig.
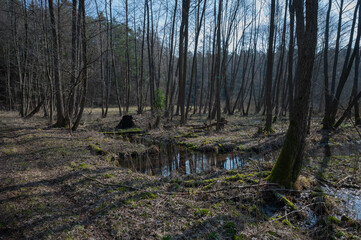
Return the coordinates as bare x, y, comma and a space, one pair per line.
300, 210
240, 187
183, 193
110, 184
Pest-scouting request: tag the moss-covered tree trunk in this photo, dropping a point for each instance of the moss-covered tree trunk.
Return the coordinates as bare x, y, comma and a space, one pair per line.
288, 166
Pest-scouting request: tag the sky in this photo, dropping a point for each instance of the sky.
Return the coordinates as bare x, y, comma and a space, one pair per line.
162, 11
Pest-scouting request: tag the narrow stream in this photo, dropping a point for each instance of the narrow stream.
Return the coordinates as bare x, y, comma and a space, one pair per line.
170, 159
173, 159
351, 199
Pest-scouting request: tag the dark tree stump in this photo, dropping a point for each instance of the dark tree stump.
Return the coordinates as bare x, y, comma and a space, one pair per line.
126, 122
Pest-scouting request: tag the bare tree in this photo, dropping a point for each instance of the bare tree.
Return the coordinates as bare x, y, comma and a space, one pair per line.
288, 166
183, 49
84, 69
58, 85
268, 91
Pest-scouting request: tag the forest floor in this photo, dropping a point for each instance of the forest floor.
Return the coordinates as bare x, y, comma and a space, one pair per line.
54, 185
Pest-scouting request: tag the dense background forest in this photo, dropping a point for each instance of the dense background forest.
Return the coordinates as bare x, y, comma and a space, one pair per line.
133, 49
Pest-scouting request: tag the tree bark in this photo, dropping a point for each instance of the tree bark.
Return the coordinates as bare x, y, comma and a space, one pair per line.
58, 86
288, 166
85, 67
183, 49
268, 93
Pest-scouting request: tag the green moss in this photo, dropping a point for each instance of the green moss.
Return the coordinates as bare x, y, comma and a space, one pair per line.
240, 147
192, 183
263, 174
188, 145
81, 166
193, 147
345, 219
217, 205
107, 175
97, 150
351, 236
317, 192
167, 237
209, 186
212, 236
235, 213
122, 189
287, 223
240, 177
288, 203
131, 203
285, 171
216, 149
84, 166
236, 177
240, 236
124, 131
264, 131
111, 158
176, 186
337, 234
148, 195
211, 180
333, 219
9, 151
254, 210
207, 142
229, 228
202, 212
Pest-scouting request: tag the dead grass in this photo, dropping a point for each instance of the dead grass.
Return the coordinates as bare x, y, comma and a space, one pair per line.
52, 186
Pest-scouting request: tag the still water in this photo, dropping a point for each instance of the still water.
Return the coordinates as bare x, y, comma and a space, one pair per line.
174, 159
178, 159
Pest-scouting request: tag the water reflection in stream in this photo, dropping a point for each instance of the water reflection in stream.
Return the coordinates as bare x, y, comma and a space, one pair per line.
172, 158
178, 159
351, 199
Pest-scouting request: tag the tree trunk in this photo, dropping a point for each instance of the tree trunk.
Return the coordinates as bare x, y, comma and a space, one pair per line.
290, 58
217, 67
268, 97
355, 88
85, 67
331, 111
194, 62
183, 49
58, 86
288, 166
328, 94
